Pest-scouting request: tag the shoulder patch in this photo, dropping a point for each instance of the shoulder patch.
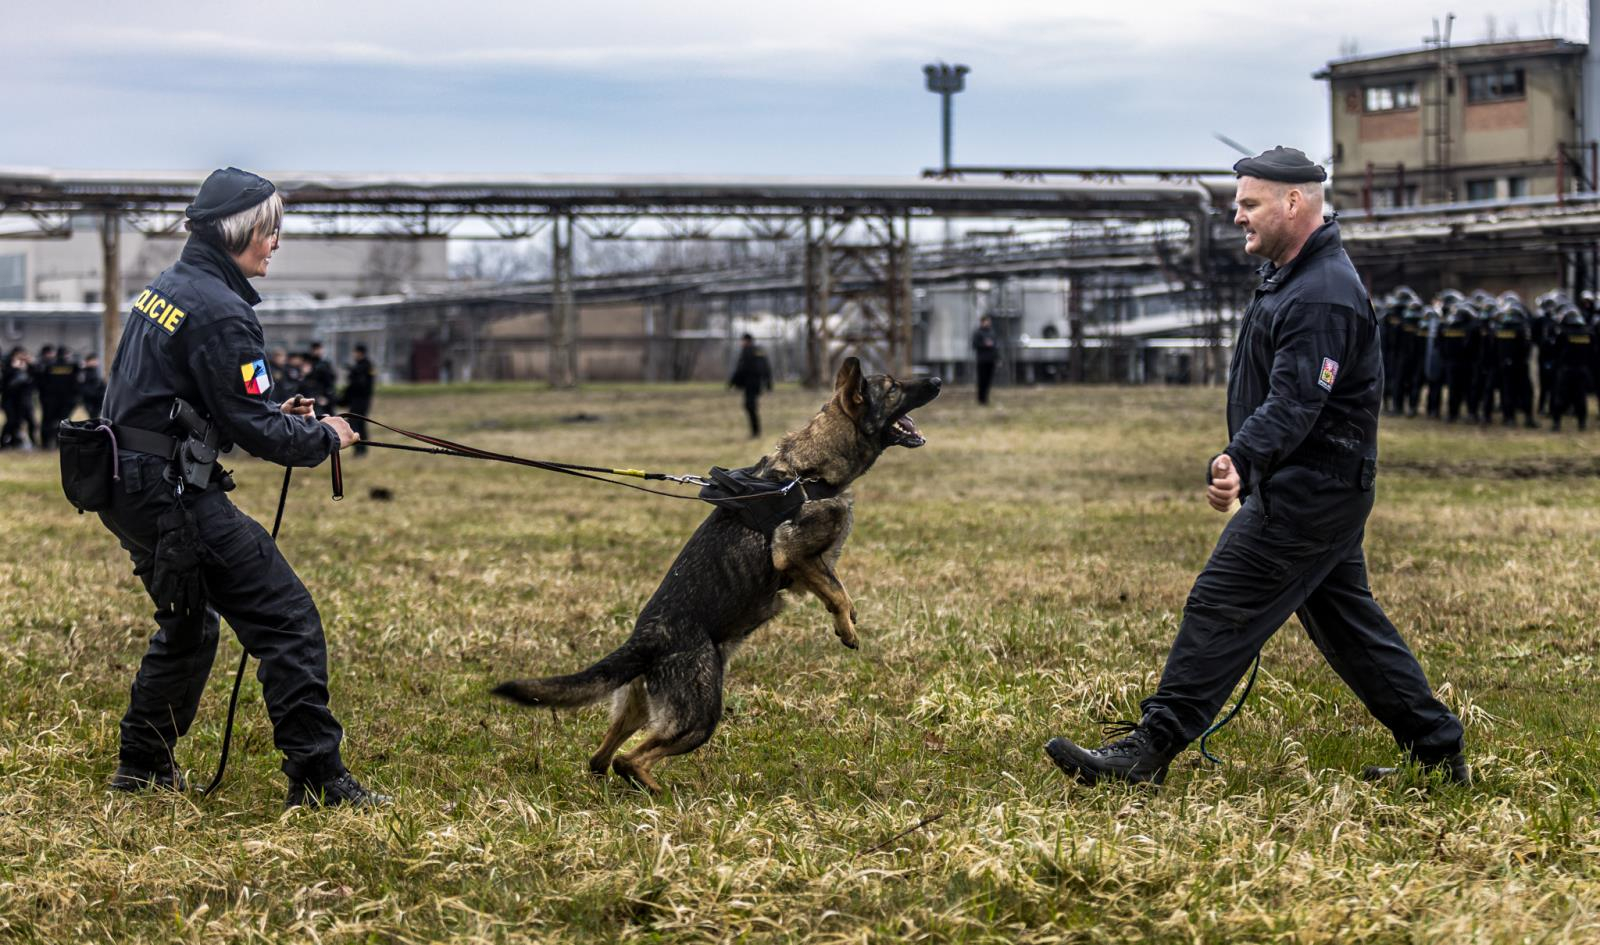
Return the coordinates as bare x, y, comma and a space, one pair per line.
257, 379
1330, 370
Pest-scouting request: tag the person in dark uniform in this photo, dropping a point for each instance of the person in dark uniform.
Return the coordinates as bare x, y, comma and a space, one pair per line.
1390, 340
193, 334
1458, 345
1305, 389
1411, 344
1512, 348
1545, 328
1574, 353
1433, 359
1486, 377
58, 394
278, 367
752, 374
21, 430
358, 395
16, 398
986, 355
91, 385
321, 380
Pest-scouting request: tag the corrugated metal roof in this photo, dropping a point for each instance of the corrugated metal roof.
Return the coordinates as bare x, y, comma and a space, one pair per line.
175, 188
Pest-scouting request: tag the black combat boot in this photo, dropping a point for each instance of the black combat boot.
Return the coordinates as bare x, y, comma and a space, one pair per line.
1141, 755
132, 778
341, 791
1453, 768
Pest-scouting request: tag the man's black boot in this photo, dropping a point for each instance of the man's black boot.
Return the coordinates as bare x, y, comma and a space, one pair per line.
1140, 756
341, 791
1454, 769
132, 778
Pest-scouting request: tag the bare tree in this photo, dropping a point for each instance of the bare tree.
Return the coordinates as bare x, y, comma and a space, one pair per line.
502, 262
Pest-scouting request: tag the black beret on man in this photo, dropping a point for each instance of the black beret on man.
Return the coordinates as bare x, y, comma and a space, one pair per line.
226, 192
1285, 165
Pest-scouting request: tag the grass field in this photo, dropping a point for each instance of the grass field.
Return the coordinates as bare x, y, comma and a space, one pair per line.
1017, 578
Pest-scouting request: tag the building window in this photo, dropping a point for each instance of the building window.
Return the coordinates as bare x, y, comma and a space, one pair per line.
1392, 97
1516, 187
1482, 188
1386, 197
1496, 86
12, 284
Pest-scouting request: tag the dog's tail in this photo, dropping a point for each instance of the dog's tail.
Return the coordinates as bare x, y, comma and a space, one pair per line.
585, 686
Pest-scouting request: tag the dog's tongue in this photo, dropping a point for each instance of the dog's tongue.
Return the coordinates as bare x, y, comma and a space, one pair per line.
906, 432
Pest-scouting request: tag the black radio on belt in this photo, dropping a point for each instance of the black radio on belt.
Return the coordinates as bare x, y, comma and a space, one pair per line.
197, 454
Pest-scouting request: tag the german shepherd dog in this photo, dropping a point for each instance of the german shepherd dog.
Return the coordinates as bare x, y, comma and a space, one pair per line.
666, 678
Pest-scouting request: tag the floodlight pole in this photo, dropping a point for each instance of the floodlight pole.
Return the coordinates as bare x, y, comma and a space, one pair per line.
946, 80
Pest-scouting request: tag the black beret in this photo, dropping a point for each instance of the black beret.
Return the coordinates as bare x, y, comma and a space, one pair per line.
1285, 165
226, 192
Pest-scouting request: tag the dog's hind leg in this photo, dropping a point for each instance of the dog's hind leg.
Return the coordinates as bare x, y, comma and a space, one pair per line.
684, 692
629, 712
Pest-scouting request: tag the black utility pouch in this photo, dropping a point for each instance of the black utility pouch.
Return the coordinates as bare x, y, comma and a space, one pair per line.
88, 463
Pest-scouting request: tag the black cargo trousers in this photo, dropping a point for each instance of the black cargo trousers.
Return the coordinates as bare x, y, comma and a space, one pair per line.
248, 583
1294, 547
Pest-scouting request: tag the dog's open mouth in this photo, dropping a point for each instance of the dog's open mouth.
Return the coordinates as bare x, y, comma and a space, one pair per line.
904, 432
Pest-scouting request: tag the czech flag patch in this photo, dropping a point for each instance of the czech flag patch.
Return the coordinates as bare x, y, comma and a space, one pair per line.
258, 380
1330, 370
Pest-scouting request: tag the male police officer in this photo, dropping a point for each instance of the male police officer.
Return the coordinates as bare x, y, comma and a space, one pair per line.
193, 335
1304, 393
752, 374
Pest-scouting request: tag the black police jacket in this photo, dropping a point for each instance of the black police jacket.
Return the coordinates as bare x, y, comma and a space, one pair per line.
753, 373
193, 334
1306, 379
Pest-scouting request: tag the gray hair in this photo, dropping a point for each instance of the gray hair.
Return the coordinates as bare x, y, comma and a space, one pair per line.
237, 231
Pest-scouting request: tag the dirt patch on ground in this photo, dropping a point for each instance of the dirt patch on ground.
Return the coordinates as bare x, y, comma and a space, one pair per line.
1558, 467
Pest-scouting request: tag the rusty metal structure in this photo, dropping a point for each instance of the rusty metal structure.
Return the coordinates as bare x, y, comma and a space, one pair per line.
857, 233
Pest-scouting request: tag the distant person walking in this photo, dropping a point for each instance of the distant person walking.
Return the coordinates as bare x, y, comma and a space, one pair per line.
986, 352
753, 375
358, 395
1304, 393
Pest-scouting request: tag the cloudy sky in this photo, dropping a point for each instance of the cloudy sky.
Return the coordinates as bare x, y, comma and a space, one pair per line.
825, 87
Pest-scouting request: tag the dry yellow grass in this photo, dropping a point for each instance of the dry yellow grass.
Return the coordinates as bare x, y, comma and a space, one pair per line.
1017, 578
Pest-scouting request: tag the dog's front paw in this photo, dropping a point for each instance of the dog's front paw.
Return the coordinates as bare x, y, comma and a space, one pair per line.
845, 627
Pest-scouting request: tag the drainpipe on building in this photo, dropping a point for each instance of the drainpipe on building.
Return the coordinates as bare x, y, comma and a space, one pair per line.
1590, 131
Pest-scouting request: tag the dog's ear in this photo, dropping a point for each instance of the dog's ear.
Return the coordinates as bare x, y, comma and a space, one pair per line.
850, 387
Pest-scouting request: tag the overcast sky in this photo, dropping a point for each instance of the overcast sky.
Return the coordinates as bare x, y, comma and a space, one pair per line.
824, 87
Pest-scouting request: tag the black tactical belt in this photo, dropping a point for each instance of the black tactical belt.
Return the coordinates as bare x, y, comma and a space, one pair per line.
145, 441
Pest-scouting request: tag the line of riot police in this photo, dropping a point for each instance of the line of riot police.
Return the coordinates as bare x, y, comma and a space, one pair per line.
1479, 352
36, 394
57, 382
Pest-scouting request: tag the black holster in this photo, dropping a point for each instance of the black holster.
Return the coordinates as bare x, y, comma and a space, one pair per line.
197, 453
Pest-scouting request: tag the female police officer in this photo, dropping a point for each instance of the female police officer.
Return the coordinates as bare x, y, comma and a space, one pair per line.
193, 335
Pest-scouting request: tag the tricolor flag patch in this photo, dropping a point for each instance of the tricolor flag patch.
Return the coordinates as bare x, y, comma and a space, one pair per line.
1330, 370
258, 380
